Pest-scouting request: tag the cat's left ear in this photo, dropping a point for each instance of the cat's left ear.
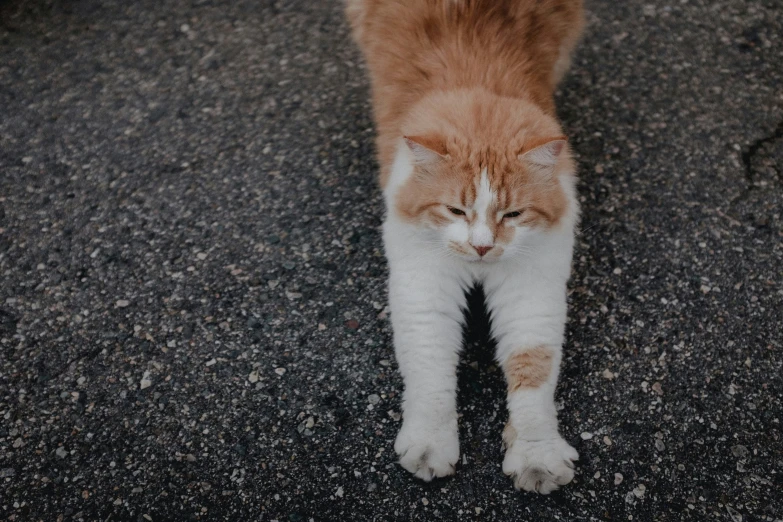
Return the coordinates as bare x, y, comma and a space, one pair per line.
426, 149
544, 153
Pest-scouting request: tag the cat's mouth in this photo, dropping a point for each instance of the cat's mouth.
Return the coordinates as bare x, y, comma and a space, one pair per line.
483, 259
471, 257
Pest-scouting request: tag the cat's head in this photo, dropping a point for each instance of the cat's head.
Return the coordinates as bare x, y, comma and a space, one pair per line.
481, 181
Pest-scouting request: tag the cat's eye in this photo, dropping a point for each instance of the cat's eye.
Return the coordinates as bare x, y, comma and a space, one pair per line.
456, 211
512, 215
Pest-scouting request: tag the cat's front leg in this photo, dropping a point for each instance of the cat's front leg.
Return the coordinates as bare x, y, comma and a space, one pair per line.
426, 300
528, 315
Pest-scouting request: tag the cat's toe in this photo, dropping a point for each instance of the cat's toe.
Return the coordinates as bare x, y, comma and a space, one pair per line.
428, 452
540, 466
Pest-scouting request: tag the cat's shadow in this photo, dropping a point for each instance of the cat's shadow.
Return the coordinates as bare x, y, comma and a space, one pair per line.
482, 389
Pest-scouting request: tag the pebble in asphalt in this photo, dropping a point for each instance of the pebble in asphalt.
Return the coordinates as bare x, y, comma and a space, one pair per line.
192, 302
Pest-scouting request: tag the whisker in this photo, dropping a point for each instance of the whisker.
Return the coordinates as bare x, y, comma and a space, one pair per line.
581, 231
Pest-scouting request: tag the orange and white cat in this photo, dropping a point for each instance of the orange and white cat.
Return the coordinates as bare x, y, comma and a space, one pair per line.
479, 189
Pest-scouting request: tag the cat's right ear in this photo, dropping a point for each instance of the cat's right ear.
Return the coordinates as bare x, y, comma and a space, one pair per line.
426, 149
544, 153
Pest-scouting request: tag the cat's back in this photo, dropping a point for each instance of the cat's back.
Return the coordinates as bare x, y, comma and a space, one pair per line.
413, 48
498, 44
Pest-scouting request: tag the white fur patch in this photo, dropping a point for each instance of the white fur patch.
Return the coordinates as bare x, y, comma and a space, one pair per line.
401, 170
457, 231
481, 235
484, 197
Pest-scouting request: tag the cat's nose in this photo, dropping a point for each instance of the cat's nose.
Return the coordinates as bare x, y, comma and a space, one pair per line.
482, 249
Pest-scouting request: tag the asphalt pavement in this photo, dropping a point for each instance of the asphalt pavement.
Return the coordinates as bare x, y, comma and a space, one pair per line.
193, 320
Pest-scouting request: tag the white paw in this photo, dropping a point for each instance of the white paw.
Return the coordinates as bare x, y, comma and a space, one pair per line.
428, 449
539, 465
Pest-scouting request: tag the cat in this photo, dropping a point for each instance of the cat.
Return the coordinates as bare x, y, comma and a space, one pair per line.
479, 186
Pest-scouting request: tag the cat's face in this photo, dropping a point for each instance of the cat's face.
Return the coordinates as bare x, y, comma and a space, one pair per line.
483, 206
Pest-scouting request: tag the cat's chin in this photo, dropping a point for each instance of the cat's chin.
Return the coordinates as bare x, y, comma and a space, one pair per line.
482, 260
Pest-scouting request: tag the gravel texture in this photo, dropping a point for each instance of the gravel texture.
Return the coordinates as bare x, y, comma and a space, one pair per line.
192, 292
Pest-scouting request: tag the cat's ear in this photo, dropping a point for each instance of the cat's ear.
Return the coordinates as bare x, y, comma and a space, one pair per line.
544, 153
426, 149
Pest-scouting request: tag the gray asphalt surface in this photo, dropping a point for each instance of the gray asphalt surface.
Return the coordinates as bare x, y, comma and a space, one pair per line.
192, 292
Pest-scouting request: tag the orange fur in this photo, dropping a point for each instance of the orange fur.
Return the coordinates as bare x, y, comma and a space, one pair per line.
510, 48
471, 134
509, 435
528, 369
473, 81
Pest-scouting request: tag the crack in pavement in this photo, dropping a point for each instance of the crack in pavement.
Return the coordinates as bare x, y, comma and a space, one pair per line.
749, 154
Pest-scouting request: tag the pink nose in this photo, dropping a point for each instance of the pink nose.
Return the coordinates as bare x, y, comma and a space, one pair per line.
482, 250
